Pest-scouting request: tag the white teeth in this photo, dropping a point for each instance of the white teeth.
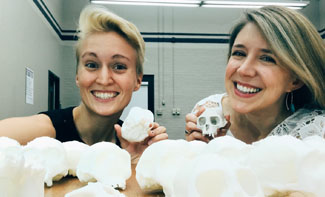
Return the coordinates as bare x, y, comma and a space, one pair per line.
104, 95
246, 89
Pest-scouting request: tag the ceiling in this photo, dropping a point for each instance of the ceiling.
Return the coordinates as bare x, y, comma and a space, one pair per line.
169, 23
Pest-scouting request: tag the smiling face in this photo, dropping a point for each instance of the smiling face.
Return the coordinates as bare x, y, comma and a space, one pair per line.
106, 73
254, 80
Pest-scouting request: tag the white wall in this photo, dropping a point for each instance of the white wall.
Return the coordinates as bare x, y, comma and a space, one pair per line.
322, 14
26, 41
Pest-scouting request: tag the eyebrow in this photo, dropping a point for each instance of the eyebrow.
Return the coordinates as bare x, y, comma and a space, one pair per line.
89, 53
117, 56
243, 46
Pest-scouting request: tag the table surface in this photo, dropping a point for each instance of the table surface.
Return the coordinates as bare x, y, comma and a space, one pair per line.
68, 184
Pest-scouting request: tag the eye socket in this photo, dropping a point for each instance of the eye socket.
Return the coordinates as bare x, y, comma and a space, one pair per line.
214, 120
202, 121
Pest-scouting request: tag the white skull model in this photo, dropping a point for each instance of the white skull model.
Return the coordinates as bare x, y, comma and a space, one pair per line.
50, 154
17, 178
159, 162
211, 120
229, 147
211, 175
105, 162
74, 150
276, 160
95, 190
137, 124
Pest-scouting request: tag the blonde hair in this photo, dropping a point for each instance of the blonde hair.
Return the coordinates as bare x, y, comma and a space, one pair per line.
94, 19
296, 44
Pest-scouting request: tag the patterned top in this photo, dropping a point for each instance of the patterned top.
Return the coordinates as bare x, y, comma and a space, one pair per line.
301, 124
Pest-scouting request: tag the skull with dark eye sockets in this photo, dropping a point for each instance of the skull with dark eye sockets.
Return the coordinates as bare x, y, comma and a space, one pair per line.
211, 120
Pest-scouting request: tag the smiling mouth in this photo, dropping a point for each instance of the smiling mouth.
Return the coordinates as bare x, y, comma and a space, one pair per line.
105, 95
246, 90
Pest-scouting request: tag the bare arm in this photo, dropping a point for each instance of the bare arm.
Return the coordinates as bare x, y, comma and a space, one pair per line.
25, 129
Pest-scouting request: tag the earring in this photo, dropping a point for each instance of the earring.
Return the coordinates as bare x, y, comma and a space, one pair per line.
292, 106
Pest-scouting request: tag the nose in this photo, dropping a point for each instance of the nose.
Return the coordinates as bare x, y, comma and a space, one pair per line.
247, 68
105, 76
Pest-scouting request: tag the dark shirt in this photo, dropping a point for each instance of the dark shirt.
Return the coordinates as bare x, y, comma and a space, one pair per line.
65, 128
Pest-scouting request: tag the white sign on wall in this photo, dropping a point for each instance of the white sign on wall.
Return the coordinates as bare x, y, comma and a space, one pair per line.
29, 89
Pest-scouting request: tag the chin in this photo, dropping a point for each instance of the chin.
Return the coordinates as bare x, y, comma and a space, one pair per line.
241, 108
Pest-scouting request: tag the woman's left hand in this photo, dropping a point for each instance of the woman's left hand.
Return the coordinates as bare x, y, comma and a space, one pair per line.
157, 133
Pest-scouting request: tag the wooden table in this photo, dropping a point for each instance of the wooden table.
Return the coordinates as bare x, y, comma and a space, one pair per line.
68, 184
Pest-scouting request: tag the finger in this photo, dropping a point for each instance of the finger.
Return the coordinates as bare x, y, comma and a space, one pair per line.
196, 136
200, 111
190, 118
153, 125
227, 126
227, 117
157, 138
118, 130
190, 127
221, 132
157, 131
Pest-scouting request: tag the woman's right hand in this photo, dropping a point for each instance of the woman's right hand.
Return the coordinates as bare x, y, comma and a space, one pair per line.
192, 132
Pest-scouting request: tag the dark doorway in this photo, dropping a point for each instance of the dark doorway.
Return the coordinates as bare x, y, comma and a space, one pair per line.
54, 92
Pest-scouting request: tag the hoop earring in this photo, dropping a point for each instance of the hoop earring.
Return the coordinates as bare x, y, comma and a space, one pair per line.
292, 106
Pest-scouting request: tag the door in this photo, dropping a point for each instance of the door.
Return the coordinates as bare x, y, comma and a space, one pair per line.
54, 92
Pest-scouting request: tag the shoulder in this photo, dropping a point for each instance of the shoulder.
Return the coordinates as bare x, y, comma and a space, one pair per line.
303, 123
59, 115
67, 110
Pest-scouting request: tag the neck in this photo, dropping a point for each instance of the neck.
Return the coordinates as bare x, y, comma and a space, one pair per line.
93, 127
258, 125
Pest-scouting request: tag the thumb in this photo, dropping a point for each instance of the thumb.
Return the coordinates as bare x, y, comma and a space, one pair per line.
200, 111
118, 130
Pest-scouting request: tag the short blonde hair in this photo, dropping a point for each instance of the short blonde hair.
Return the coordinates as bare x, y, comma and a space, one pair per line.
297, 45
94, 19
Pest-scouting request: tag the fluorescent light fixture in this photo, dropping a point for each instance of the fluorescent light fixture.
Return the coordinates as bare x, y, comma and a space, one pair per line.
254, 4
178, 3
298, 4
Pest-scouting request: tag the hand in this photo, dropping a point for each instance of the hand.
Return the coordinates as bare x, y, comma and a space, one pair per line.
157, 133
194, 133
223, 130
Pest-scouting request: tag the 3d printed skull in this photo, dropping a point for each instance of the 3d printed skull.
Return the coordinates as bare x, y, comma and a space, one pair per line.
211, 175
211, 120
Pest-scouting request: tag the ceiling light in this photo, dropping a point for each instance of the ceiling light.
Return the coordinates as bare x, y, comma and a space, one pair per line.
298, 4
254, 4
179, 3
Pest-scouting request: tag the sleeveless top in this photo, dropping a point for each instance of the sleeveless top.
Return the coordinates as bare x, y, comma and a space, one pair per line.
65, 128
301, 124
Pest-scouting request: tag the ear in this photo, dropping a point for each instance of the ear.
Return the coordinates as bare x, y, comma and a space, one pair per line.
138, 82
295, 85
77, 81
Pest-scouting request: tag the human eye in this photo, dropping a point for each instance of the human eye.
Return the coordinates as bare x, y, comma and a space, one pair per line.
269, 59
119, 67
91, 65
238, 53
